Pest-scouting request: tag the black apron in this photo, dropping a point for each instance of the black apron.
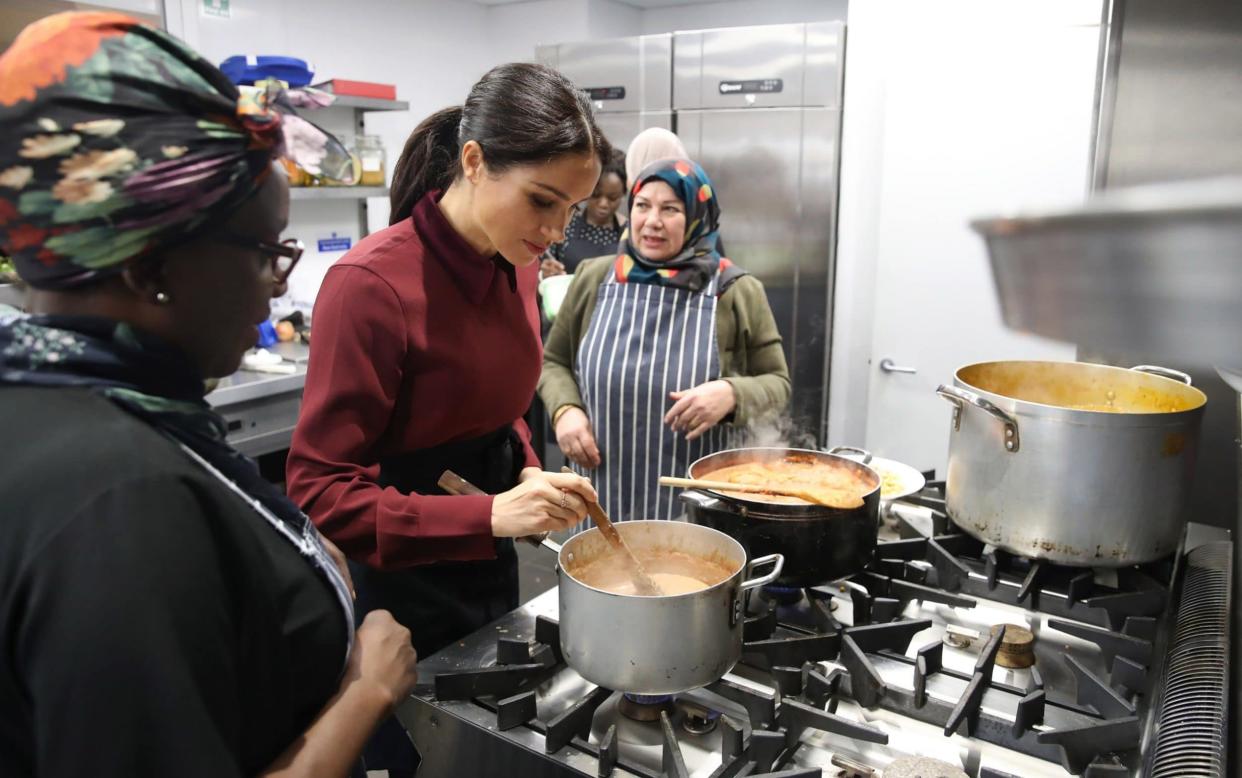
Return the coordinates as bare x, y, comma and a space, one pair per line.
444, 601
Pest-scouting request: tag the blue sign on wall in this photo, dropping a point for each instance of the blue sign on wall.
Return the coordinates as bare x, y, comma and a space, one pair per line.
334, 244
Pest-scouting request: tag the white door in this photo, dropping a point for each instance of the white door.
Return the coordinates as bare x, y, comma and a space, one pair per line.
972, 108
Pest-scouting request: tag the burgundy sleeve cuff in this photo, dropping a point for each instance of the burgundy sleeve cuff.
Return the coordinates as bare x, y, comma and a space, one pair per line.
449, 528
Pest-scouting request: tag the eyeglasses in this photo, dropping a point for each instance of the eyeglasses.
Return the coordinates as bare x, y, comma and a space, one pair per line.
283, 256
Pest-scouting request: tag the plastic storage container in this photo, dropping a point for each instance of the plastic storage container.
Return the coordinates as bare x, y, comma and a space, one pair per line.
249, 69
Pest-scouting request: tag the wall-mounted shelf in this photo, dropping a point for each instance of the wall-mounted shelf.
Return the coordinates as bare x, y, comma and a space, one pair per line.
357, 195
336, 192
369, 104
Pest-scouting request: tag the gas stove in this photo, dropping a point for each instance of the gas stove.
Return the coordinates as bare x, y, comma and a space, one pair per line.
944, 658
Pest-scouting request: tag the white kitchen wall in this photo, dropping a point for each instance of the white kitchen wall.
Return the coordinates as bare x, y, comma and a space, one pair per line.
513, 30
741, 13
611, 19
16, 14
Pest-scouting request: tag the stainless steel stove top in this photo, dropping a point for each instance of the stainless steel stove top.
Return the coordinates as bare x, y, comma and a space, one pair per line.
849, 680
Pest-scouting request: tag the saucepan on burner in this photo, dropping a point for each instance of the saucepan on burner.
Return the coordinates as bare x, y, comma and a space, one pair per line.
628, 642
819, 543
656, 645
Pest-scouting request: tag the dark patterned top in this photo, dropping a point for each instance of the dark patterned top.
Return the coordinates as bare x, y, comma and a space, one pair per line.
584, 240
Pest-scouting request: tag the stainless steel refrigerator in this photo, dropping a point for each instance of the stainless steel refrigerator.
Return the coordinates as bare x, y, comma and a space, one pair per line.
760, 109
629, 80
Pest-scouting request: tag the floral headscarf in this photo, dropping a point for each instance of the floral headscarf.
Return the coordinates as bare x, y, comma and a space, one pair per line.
117, 140
698, 261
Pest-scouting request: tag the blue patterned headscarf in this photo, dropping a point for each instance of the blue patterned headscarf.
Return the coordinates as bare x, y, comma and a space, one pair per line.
698, 261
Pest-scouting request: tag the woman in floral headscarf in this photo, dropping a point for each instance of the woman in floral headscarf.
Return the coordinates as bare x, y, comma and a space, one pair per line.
657, 346
166, 611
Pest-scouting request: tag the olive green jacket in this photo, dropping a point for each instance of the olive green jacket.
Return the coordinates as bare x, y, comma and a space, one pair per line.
751, 359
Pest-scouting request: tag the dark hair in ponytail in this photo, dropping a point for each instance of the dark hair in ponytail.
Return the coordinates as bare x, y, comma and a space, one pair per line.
520, 114
428, 161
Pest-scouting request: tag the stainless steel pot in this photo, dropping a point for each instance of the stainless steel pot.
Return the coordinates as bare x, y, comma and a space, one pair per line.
1034, 472
656, 645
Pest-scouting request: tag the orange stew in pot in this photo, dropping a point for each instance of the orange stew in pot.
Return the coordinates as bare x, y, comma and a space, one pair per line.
836, 486
675, 572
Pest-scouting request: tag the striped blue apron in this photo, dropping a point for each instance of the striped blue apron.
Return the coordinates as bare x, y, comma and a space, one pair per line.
645, 341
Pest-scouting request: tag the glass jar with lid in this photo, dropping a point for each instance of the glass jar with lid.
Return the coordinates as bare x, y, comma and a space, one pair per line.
370, 150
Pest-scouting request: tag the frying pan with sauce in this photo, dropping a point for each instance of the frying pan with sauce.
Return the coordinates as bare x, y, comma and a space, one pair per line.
832, 485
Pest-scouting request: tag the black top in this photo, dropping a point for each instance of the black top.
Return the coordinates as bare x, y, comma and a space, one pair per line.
152, 622
584, 240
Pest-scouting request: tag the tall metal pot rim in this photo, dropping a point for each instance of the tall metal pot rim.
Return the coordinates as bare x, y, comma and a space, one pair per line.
567, 548
1022, 407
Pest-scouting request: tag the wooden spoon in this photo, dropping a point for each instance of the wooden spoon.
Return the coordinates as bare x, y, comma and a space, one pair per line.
829, 498
643, 581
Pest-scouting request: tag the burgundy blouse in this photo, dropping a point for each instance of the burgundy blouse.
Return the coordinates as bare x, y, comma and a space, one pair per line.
418, 340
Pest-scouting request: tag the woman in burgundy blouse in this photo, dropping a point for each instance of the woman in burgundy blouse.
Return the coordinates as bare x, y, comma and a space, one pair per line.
425, 355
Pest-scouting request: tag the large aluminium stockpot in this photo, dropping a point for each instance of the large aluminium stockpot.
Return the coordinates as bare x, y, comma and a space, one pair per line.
1075, 463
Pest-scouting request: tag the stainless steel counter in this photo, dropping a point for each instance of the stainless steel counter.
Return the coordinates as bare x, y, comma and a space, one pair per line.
12, 295
261, 409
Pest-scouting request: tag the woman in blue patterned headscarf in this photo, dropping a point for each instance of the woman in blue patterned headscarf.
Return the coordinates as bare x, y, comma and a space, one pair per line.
167, 611
660, 349
698, 260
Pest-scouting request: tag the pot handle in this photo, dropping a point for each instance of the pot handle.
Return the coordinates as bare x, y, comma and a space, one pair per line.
701, 499
846, 450
778, 564
1164, 372
959, 397
543, 540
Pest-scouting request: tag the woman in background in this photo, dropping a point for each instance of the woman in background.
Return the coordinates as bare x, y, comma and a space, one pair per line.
594, 228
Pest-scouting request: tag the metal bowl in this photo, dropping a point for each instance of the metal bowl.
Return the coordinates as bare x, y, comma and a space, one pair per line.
1155, 270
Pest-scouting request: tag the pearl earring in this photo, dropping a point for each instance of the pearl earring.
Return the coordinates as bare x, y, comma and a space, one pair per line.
162, 298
